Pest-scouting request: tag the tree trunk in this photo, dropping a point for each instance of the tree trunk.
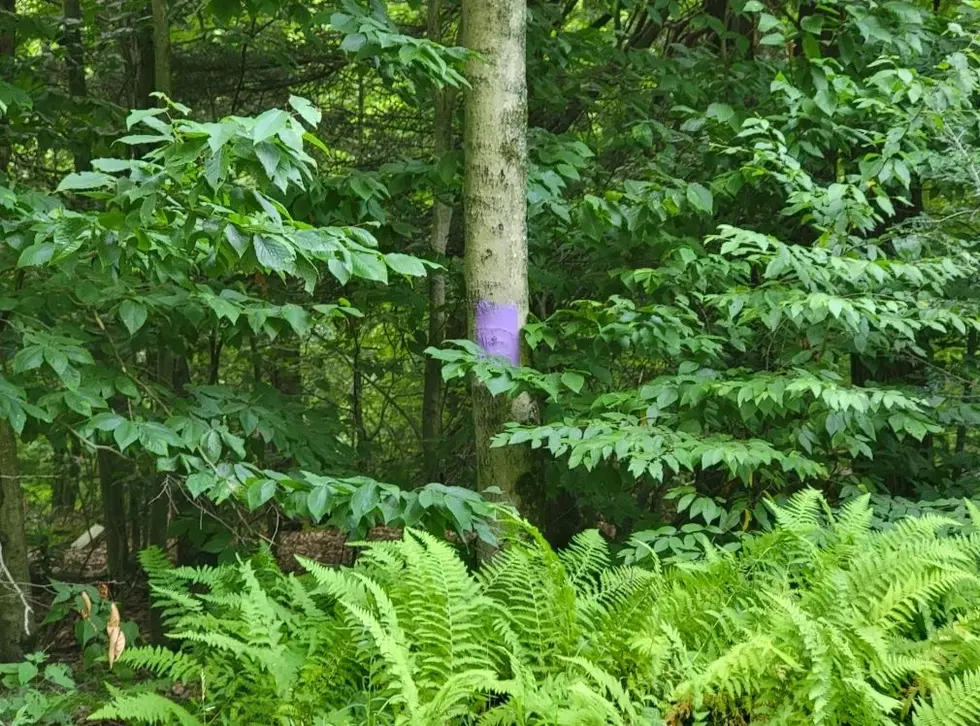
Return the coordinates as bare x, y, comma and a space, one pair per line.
75, 61
112, 485
65, 492
16, 617
144, 62
8, 42
442, 217
495, 210
971, 354
161, 46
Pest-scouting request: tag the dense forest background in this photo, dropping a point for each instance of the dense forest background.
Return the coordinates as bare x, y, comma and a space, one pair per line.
241, 276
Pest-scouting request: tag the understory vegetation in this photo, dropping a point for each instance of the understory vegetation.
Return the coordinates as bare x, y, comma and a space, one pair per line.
822, 620
457, 362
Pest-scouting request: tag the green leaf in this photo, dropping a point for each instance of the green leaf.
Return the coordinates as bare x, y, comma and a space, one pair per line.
27, 359
133, 315
826, 101
405, 264
85, 180
211, 445
317, 502
297, 318
56, 359
365, 498
767, 22
260, 492
106, 421
460, 512
125, 434
268, 124
143, 139
273, 254
812, 24
126, 387
224, 309
26, 671
499, 384
199, 483
36, 255
307, 111
369, 266
700, 197
721, 111
339, 270
78, 403
236, 239
112, 165
573, 380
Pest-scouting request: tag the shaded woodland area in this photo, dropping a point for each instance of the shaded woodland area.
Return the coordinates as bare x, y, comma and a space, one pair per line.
637, 338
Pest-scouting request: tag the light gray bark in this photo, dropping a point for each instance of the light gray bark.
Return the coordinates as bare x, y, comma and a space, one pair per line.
495, 213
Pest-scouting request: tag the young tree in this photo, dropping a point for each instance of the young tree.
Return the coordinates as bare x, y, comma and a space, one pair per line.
444, 101
495, 215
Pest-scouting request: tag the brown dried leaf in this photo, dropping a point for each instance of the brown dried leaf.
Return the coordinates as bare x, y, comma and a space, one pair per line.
86, 605
114, 621
117, 644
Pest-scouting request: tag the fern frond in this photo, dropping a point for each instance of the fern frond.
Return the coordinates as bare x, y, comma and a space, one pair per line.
148, 708
954, 704
585, 559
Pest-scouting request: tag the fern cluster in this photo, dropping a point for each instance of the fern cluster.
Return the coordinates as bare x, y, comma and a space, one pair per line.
823, 620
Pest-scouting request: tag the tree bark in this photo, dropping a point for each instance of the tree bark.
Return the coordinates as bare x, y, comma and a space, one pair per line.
75, 62
495, 211
144, 63
161, 46
444, 101
8, 43
112, 485
16, 617
971, 354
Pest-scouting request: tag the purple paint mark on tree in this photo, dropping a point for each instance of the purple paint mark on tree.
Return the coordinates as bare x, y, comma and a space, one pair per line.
497, 330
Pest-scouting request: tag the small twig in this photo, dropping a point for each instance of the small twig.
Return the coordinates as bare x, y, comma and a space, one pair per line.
28, 610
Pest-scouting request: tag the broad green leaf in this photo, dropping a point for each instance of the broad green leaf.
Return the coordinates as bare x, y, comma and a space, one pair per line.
268, 124
112, 165
236, 239
27, 359
369, 266
84, 180
767, 22
405, 264
125, 434
700, 197
36, 255
307, 111
259, 492
106, 421
199, 483
78, 403
573, 380
297, 318
133, 315
273, 254
365, 499
317, 502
